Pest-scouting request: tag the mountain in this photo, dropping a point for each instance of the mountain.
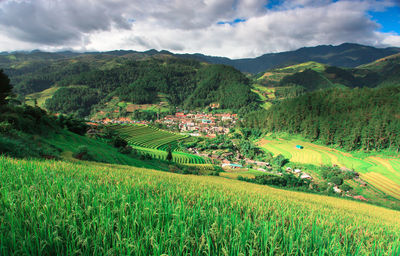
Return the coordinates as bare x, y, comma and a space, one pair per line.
313, 75
80, 84
344, 55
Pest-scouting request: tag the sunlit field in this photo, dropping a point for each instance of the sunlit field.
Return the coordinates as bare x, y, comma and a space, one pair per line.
50, 207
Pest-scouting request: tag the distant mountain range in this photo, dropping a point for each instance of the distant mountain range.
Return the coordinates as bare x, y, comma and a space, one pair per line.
344, 55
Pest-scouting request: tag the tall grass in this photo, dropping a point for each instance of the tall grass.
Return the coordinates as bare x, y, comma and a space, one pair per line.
61, 208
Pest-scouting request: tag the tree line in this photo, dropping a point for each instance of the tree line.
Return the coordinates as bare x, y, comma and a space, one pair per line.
353, 119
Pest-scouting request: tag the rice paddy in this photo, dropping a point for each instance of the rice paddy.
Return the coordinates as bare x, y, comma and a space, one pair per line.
156, 142
383, 173
64, 208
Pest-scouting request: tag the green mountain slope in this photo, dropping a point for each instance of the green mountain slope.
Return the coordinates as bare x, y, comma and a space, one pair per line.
89, 82
296, 79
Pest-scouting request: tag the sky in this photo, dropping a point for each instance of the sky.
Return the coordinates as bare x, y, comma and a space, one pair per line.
230, 28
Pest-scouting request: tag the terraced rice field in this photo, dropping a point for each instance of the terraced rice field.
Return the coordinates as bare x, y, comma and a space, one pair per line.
383, 173
63, 208
149, 137
156, 143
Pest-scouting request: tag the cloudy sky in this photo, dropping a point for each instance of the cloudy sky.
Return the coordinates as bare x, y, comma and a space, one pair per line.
232, 28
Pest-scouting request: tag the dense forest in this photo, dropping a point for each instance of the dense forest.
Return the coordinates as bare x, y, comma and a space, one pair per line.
85, 83
352, 119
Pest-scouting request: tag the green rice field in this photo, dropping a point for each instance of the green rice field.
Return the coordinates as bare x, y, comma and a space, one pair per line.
156, 143
381, 172
65, 208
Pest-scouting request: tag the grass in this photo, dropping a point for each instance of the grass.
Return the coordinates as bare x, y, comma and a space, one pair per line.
65, 208
41, 97
68, 143
265, 94
370, 167
276, 75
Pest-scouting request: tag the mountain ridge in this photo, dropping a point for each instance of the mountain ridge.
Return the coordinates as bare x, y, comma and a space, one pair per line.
343, 55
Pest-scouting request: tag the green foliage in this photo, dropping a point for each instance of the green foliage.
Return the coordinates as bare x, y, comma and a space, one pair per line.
279, 160
346, 187
85, 85
74, 101
169, 155
336, 180
309, 79
351, 119
223, 84
5, 87
286, 180
72, 124
83, 153
290, 91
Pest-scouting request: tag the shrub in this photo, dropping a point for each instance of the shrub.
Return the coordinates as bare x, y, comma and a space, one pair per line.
83, 153
336, 180
346, 187
279, 160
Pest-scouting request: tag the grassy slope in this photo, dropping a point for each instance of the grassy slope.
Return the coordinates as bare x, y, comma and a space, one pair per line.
50, 207
41, 97
69, 142
378, 65
381, 172
275, 75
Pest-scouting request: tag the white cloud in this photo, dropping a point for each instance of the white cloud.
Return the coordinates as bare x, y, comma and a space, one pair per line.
188, 26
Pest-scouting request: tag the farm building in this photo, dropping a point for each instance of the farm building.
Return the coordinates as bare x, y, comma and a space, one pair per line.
337, 189
297, 171
305, 176
233, 166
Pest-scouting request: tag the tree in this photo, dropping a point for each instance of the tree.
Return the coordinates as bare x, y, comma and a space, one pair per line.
5, 87
169, 156
279, 160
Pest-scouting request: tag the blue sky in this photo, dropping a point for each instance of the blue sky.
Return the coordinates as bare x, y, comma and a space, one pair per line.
388, 19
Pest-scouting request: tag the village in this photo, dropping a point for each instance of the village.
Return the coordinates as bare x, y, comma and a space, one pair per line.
193, 123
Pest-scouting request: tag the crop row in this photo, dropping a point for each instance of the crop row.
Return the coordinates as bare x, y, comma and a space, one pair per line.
150, 137
86, 208
383, 184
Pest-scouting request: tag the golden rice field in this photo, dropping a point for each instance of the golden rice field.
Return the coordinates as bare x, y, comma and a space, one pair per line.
382, 173
65, 208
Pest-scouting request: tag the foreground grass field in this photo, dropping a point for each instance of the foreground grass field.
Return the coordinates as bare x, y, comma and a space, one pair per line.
63, 208
381, 172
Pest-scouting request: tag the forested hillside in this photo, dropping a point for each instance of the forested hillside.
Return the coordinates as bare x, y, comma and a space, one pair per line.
365, 118
85, 81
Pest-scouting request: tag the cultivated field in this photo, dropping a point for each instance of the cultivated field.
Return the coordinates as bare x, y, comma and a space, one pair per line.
61, 208
382, 173
156, 143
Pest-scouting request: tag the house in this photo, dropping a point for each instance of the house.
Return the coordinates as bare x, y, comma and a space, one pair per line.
337, 189
233, 166
305, 176
289, 169
299, 147
297, 171
259, 163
